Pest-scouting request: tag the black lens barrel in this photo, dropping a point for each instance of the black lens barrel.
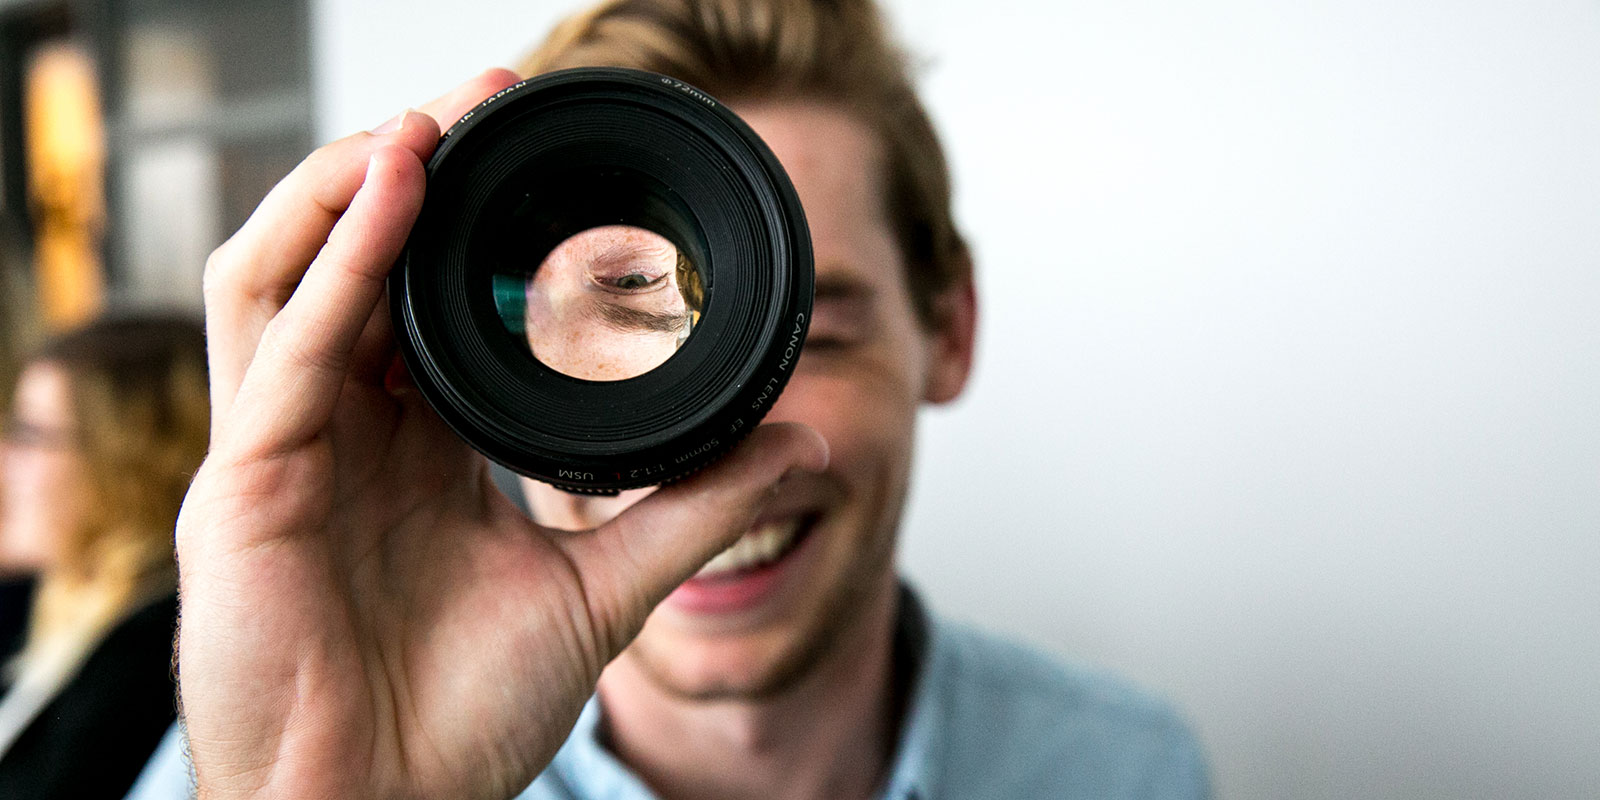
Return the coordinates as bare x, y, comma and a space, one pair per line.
562, 153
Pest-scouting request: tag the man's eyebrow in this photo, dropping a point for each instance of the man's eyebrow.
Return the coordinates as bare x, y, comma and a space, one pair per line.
631, 320
836, 287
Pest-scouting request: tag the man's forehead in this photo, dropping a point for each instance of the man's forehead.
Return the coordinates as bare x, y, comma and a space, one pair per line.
824, 148
836, 164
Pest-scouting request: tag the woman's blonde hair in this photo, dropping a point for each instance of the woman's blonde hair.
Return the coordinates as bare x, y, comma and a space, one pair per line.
833, 51
138, 394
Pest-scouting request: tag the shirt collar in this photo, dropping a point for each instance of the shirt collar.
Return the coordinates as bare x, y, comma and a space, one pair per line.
921, 727
585, 764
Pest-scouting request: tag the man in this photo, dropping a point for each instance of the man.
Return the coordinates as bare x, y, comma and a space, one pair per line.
364, 616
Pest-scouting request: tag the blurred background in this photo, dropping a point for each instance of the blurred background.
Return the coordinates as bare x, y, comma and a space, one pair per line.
1288, 399
136, 135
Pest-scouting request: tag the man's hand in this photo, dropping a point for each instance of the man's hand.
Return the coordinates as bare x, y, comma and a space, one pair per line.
363, 614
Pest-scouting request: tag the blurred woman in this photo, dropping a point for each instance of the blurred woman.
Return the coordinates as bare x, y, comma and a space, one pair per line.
16, 328
107, 427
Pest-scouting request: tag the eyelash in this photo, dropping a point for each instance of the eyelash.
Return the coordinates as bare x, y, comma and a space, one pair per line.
827, 344
614, 284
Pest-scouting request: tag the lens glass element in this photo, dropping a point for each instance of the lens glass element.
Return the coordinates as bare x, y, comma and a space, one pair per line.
608, 303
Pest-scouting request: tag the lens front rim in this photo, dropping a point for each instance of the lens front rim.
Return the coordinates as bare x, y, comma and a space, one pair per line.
742, 212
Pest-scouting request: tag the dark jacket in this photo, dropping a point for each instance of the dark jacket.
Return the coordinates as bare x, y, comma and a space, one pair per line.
93, 738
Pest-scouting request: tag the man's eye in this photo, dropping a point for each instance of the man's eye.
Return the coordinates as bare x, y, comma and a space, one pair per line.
826, 344
632, 282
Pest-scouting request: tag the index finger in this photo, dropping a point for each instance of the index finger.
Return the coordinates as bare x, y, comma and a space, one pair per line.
267, 256
252, 275
454, 104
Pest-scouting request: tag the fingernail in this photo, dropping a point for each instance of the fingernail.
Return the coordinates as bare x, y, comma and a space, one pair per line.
392, 125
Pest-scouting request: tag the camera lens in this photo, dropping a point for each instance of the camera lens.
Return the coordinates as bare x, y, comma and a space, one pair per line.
609, 282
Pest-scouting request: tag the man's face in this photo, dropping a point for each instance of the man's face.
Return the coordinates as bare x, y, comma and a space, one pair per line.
763, 613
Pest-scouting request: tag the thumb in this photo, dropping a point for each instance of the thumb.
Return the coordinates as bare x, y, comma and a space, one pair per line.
632, 563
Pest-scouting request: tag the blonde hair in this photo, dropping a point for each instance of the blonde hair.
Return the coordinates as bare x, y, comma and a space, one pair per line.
18, 318
138, 394
832, 51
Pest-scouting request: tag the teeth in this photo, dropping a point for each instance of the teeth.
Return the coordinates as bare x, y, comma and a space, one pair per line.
761, 545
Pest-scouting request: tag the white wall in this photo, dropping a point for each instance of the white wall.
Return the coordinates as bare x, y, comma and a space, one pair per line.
1290, 369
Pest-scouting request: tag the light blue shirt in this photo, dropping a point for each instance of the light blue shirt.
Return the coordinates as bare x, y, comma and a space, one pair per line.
986, 720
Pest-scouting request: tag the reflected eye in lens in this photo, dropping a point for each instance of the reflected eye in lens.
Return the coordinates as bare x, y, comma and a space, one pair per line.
634, 281
602, 305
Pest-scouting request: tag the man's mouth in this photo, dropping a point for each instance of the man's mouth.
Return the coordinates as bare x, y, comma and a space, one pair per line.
764, 544
749, 573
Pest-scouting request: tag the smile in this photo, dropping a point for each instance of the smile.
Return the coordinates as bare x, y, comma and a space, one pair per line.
760, 546
748, 574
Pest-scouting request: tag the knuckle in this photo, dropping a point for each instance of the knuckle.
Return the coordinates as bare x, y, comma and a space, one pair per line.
296, 347
319, 159
217, 269
229, 280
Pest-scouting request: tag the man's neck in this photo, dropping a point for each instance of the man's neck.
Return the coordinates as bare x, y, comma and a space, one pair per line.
831, 735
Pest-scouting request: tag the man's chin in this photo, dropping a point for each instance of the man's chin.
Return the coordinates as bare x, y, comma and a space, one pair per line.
752, 666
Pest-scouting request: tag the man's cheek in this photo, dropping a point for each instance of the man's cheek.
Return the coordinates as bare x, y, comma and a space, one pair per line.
826, 391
